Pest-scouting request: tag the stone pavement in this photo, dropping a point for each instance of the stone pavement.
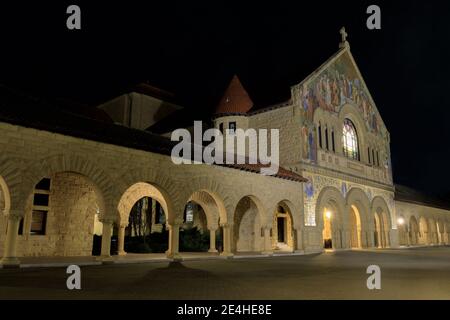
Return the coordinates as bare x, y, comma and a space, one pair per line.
418, 273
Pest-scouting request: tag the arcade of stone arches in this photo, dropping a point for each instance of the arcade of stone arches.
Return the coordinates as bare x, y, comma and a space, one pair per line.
353, 221
75, 209
260, 222
423, 230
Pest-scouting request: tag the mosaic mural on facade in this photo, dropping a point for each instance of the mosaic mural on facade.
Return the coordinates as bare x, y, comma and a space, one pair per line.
316, 183
337, 85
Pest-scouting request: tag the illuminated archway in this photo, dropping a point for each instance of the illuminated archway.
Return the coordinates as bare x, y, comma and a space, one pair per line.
382, 223
329, 217
355, 227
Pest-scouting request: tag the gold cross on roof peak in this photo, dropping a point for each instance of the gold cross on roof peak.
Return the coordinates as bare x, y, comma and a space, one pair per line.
344, 43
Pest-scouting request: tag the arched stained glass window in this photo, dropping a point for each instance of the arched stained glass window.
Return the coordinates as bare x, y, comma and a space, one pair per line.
350, 140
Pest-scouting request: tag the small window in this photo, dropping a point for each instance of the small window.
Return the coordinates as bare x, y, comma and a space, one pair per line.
320, 135
221, 127
368, 154
40, 199
44, 184
326, 139
373, 157
332, 141
232, 127
378, 159
38, 222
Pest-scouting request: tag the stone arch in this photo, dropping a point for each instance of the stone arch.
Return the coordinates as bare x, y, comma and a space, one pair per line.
102, 182
288, 230
170, 189
224, 197
5, 197
212, 206
249, 219
11, 176
138, 191
382, 222
331, 199
358, 205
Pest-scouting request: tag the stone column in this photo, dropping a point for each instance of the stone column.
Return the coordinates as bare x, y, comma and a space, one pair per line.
267, 242
227, 239
10, 251
174, 239
370, 238
212, 241
121, 241
300, 241
106, 239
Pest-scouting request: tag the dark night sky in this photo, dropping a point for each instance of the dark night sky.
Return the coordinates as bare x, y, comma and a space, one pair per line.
193, 49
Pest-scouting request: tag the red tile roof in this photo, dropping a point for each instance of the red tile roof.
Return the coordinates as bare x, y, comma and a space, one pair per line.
282, 172
235, 100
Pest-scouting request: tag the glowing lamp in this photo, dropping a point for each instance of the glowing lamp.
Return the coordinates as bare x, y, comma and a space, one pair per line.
400, 221
328, 214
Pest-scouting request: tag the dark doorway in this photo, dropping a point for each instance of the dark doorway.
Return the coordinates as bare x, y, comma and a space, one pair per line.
281, 227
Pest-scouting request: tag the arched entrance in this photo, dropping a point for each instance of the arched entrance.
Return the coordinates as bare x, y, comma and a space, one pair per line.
200, 231
413, 231
282, 233
355, 228
145, 211
248, 232
146, 230
378, 233
382, 223
329, 217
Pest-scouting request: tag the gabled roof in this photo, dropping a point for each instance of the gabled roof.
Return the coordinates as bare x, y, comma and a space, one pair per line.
235, 99
343, 51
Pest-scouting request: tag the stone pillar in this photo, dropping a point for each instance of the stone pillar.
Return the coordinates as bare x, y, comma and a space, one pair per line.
392, 238
106, 239
370, 238
227, 239
212, 241
121, 241
174, 239
300, 241
10, 251
267, 242
346, 241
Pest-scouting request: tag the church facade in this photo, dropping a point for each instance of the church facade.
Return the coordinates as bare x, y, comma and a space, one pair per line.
62, 183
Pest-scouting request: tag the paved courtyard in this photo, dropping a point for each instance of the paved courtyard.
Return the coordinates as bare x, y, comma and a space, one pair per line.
419, 273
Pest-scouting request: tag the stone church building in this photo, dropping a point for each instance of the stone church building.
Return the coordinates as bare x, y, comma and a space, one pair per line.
66, 176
